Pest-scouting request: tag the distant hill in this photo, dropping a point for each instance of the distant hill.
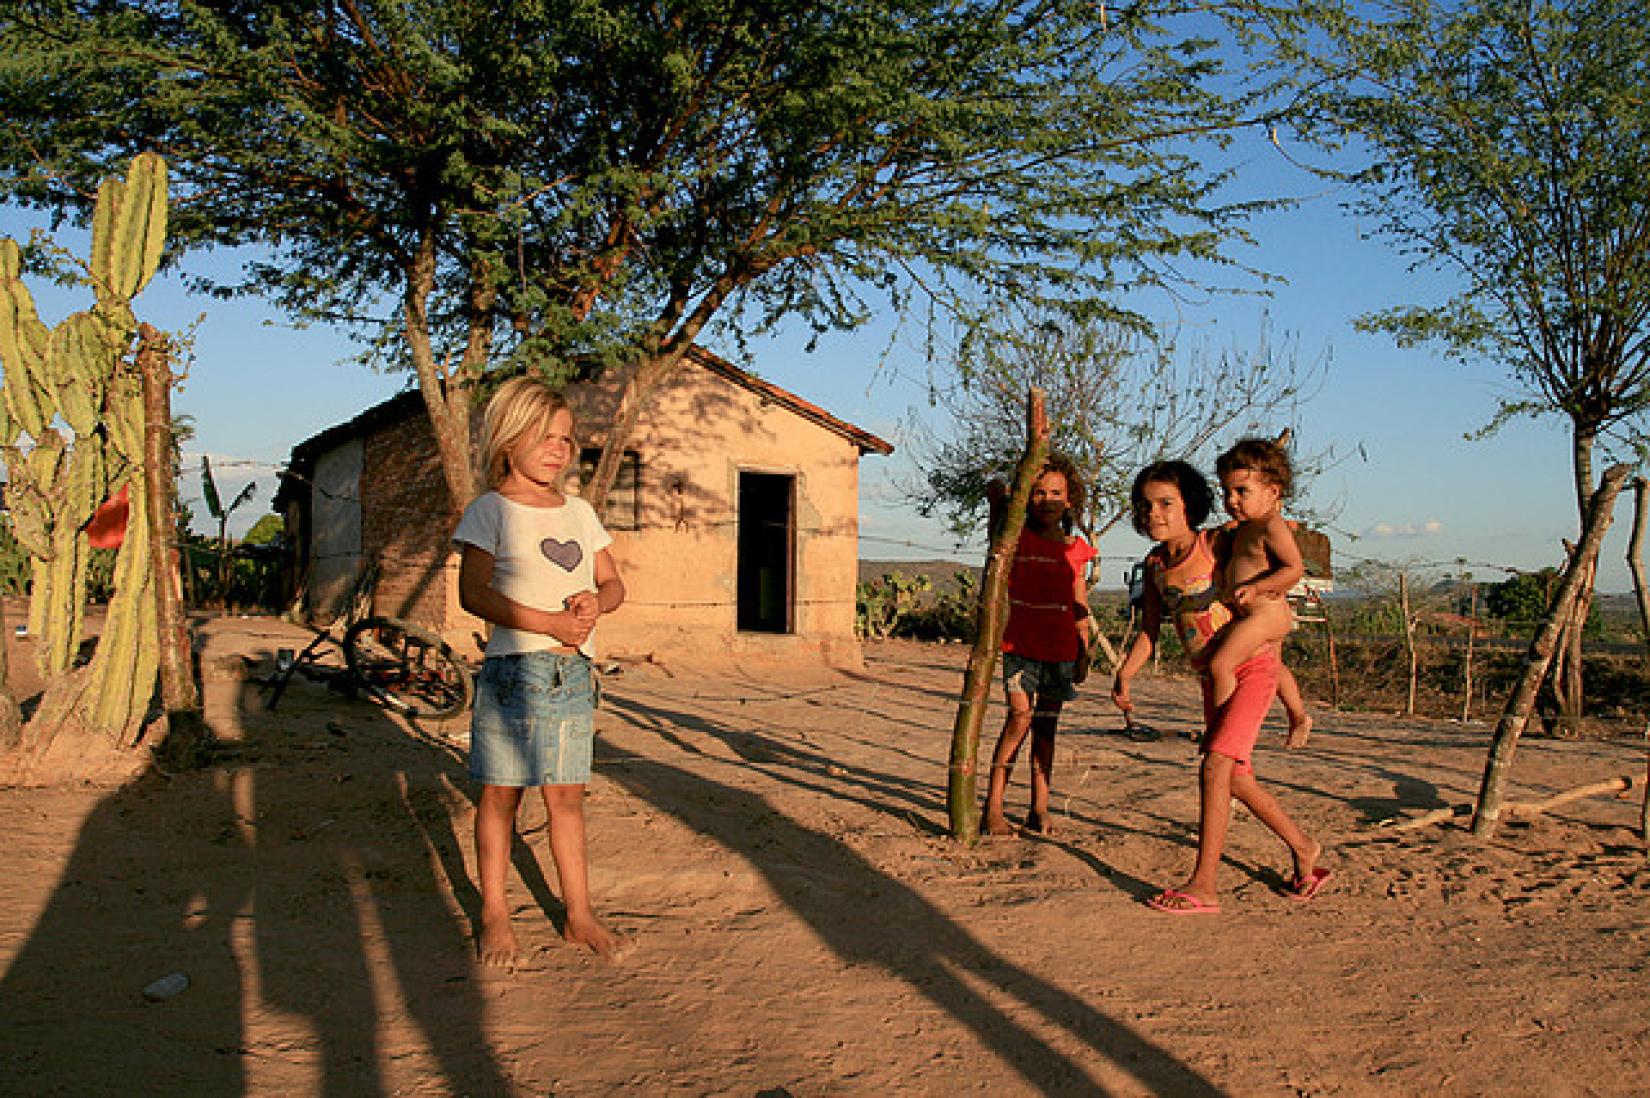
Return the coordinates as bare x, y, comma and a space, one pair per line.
939, 571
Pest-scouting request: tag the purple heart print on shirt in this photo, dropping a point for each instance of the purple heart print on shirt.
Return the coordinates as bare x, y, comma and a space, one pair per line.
563, 554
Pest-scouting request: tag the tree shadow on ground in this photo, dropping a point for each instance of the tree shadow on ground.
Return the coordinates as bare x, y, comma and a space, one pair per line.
298, 890
895, 929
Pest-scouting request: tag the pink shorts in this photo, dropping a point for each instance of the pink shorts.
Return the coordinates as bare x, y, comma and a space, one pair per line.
1234, 731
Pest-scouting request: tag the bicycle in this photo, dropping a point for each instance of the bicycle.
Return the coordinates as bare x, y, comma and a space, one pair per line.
399, 665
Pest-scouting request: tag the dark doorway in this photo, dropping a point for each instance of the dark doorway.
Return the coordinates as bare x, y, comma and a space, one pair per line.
766, 548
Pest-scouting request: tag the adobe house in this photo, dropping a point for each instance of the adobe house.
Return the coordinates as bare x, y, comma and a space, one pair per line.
735, 518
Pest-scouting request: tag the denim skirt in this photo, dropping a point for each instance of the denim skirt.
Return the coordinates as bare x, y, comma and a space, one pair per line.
534, 721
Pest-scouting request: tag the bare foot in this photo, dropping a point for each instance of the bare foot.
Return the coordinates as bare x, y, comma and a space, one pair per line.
588, 931
997, 824
1039, 823
1299, 732
1305, 865
497, 946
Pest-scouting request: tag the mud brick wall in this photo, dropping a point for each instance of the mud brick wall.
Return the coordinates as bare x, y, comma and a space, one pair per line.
407, 521
1314, 547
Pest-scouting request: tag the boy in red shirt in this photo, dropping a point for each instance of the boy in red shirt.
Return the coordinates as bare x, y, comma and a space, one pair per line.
1048, 630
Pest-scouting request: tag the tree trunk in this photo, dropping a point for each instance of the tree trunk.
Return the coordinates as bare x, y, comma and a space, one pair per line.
1635, 556
962, 800
446, 396
1568, 684
187, 734
1516, 714
668, 344
639, 389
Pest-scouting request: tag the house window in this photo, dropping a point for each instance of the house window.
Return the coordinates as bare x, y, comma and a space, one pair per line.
624, 502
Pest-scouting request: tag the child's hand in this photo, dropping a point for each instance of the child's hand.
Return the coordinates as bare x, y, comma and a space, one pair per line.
1120, 694
584, 605
570, 628
1243, 596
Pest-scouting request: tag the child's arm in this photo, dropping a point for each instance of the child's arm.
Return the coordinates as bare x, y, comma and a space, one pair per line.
996, 499
477, 595
1286, 569
1080, 609
1140, 650
608, 595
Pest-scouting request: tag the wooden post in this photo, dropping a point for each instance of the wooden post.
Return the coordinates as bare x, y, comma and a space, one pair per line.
1472, 631
1644, 809
1516, 714
962, 799
1409, 640
1329, 652
186, 734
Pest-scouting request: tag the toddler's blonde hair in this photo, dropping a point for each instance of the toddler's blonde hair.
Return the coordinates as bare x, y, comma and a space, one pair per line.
520, 411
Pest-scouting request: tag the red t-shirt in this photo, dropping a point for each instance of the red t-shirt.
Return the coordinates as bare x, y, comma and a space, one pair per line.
1041, 587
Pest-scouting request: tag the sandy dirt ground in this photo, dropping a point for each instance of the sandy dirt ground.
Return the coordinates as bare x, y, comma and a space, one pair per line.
775, 841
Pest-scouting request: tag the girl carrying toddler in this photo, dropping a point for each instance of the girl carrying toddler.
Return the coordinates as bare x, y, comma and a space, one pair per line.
1171, 501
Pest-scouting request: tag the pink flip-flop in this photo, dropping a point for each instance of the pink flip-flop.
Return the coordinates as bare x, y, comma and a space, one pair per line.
1304, 888
1172, 901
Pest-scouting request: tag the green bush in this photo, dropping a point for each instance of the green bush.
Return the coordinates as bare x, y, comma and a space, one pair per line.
881, 604
16, 569
14, 563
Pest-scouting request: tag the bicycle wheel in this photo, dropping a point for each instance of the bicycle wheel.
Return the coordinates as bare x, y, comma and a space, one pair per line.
408, 669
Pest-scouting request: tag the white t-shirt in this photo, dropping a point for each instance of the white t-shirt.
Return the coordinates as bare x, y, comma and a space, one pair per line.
541, 555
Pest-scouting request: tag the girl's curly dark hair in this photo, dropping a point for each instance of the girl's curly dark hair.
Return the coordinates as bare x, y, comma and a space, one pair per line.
1192, 485
1076, 492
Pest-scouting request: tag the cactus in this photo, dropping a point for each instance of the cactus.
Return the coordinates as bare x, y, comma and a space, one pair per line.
24, 342
123, 684
128, 231
81, 374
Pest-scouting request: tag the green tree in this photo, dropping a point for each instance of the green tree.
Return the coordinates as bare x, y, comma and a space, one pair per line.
1521, 598
1512, 147
268, 530
546, 181
1117, 400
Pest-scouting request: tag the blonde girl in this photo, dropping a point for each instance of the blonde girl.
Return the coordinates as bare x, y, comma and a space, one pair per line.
535, 563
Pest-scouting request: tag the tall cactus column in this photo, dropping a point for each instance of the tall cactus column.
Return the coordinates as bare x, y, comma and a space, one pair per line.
82, 374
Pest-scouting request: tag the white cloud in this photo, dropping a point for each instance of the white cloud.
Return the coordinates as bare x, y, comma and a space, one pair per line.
1426, 529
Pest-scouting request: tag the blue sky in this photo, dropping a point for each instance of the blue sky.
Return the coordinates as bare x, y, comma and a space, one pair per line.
1411, 488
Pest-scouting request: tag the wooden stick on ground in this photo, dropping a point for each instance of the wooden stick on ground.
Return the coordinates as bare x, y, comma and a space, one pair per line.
1517, 809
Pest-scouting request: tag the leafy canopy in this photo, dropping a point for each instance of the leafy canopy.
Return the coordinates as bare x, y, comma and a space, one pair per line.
1512, 146
538, 178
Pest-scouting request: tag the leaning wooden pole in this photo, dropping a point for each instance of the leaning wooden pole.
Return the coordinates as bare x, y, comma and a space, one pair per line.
186, 733
962, 799
1516, 714
1635, 555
